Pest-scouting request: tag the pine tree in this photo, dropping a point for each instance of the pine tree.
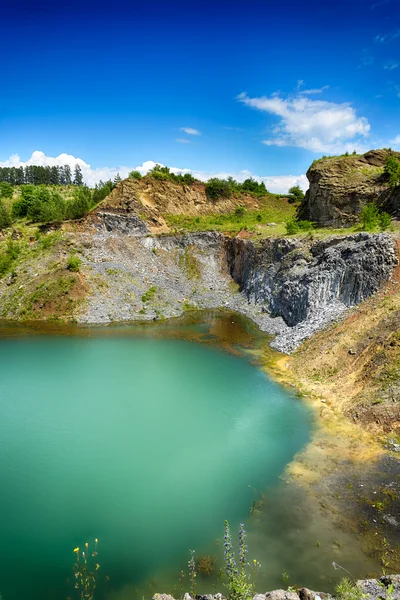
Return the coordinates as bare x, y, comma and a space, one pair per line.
54, 180
67, 175
117, 179
78, 178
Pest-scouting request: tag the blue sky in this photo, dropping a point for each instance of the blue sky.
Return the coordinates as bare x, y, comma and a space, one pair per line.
261, 87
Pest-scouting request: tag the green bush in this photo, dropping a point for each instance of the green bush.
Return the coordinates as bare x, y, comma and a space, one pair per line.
159, 172
101, 191
239, 211
21, 206
369, 216
135, 175
385, 220
74, 263
296, 192
392, 170
5, 216
80, 204
8, 257
46, 206
6, 189
294, 226
218, 188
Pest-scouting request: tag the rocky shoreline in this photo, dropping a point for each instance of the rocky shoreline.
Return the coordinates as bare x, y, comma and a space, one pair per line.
386, 587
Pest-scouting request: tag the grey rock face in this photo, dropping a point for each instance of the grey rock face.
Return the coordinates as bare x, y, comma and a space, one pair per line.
120, 223
295, 280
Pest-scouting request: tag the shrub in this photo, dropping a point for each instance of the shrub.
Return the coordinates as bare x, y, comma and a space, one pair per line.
369, 217
46, 206
21, 206
8, 257
385, 220
392, 170
149, 295
81, 203
294, 226
218, 188
135, 175
6, 189
101, 191
74, 263
159, 172
5, 216
239, 211
297, 192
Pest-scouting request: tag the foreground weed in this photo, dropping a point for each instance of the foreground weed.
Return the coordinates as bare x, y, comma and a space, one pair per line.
239, 583
85, 571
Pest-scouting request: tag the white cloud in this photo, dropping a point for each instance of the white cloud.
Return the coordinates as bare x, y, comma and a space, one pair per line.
313, 91
278, 184
392, 64
317, 125
395, 142
387, 37
183, 141
190, 130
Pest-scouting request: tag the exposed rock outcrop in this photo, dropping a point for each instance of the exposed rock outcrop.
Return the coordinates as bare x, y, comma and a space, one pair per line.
295, 279
341, 186
150, 199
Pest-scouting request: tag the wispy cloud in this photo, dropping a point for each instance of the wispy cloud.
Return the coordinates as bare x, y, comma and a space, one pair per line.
380, 3
315, 90
395, 142
317, 125
386, 38
392, 64
278, 184
183, 141
190, 130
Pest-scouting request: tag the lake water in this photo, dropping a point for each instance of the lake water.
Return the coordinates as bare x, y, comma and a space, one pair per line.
135, 437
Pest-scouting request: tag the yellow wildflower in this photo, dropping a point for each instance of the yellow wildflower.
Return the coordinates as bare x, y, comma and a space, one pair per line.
76, 550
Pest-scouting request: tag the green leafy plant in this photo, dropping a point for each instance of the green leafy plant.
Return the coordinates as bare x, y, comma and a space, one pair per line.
135, 175
74, 263
347, 590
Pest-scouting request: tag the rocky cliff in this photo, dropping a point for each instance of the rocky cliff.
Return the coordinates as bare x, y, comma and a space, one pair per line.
341, 186
296, 279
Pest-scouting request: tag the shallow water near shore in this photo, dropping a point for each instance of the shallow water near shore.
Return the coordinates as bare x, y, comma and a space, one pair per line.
147, 437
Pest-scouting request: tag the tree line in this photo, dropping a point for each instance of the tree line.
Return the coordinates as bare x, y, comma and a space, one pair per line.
38, 175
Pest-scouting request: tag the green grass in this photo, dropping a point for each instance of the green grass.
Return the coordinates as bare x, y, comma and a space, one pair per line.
273, 211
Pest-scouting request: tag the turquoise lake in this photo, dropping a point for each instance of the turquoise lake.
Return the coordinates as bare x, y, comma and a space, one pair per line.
145, 442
